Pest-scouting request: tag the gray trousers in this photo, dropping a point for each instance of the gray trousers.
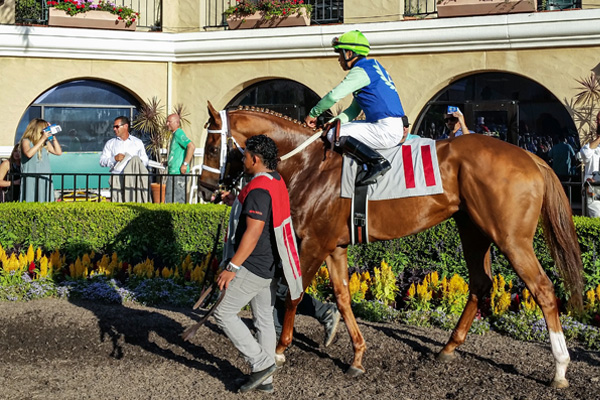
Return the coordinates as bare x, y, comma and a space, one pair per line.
175, 192
246, 288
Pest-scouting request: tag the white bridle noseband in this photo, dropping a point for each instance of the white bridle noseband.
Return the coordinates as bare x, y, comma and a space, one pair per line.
224, 132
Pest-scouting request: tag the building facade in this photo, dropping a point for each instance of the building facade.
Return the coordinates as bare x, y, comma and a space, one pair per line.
481, 62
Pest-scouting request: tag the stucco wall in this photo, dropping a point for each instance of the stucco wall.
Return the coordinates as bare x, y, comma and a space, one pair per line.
24, 79
7, 11
418, 77
357, 11
181, 16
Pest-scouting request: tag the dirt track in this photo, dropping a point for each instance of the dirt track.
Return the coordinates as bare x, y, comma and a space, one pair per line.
53, 349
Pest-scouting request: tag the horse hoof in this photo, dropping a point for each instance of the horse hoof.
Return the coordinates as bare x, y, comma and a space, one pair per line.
354, 372
279, 360
560, 384
447, 357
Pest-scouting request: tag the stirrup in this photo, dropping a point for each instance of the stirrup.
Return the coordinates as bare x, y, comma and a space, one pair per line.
372, 173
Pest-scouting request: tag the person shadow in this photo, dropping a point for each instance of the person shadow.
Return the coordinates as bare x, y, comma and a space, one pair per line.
155, 330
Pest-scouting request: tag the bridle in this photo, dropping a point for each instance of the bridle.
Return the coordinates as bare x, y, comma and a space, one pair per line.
229, 144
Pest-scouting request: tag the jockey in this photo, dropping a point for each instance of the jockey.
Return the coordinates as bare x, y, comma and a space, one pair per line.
375, 94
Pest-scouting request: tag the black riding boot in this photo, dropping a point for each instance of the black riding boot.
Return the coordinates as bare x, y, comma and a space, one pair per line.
376, 164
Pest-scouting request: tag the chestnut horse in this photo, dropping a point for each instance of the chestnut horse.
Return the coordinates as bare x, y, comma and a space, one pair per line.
496, 193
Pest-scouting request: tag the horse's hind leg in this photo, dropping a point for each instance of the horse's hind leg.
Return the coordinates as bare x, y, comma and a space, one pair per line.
337, 264
524, 261
476, 248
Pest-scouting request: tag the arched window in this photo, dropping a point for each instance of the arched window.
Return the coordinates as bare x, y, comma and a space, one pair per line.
511, 107
85, 110
281, 95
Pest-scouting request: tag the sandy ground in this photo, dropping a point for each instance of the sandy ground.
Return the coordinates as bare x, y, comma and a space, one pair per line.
55, 349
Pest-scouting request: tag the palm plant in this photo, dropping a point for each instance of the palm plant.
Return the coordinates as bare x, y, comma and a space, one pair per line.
151, 122
585, 106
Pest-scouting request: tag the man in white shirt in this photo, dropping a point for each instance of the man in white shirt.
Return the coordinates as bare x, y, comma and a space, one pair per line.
590, 155
116, 148
130, 187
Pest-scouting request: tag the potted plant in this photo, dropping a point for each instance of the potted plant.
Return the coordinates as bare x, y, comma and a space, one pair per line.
150, 123
244, 14
86, 14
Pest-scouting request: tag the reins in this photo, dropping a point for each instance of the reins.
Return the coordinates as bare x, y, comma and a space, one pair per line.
304, 145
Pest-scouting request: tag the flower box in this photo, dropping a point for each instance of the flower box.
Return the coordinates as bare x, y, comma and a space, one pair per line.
91, 19
460, 8
258, 20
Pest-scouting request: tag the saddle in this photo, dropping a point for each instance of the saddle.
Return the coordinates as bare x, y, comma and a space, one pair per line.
415, 172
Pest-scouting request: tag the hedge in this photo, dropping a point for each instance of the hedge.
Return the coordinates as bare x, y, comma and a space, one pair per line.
164, 232
167, 232
439, 249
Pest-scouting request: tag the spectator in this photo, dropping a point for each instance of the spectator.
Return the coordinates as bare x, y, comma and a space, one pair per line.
590, 155
35, 145
125, 154
562, 157
455, 125
481, 127
10, 176
180, 155
75, 144
407, 134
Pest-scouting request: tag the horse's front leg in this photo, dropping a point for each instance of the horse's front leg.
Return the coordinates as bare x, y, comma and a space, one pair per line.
337, 264
287, 330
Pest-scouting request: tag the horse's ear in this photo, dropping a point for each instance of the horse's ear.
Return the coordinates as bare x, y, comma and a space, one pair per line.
214, 114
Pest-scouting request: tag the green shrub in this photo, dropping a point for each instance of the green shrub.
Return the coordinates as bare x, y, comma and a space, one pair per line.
164, 232
439, 249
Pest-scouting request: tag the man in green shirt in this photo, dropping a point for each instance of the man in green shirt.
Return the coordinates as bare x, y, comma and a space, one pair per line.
180, 156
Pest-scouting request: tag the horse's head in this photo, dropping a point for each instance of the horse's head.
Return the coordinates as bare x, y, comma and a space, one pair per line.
222, 167
227, 135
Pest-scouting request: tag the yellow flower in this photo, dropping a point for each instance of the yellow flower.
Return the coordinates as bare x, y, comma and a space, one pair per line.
30, 254
412, 291
166, 273
44, 272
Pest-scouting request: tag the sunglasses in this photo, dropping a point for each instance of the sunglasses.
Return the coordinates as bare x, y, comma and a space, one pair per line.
450, 119
117, 126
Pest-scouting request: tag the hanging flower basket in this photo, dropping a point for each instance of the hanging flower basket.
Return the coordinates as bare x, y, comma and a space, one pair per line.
91, 19
87, 14
246, 14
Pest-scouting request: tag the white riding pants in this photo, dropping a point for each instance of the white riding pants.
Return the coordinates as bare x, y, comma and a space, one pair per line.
382, 134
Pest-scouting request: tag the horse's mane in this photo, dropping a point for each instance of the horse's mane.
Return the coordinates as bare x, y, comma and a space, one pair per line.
267, 111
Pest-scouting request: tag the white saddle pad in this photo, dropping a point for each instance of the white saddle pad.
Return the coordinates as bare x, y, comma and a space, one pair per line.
415, 172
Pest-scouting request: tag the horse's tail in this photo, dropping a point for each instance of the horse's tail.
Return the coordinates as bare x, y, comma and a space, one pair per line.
561, 237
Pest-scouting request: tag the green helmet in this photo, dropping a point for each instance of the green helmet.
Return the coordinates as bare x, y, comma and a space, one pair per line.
353, 40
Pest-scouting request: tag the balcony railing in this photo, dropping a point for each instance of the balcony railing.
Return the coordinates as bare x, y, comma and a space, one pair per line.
426, 8
101, 187
36, 12
96, 187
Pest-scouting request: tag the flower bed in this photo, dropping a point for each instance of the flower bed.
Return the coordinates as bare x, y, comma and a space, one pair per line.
429, 302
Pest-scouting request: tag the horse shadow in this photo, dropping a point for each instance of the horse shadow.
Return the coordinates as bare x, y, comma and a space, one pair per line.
424, 345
